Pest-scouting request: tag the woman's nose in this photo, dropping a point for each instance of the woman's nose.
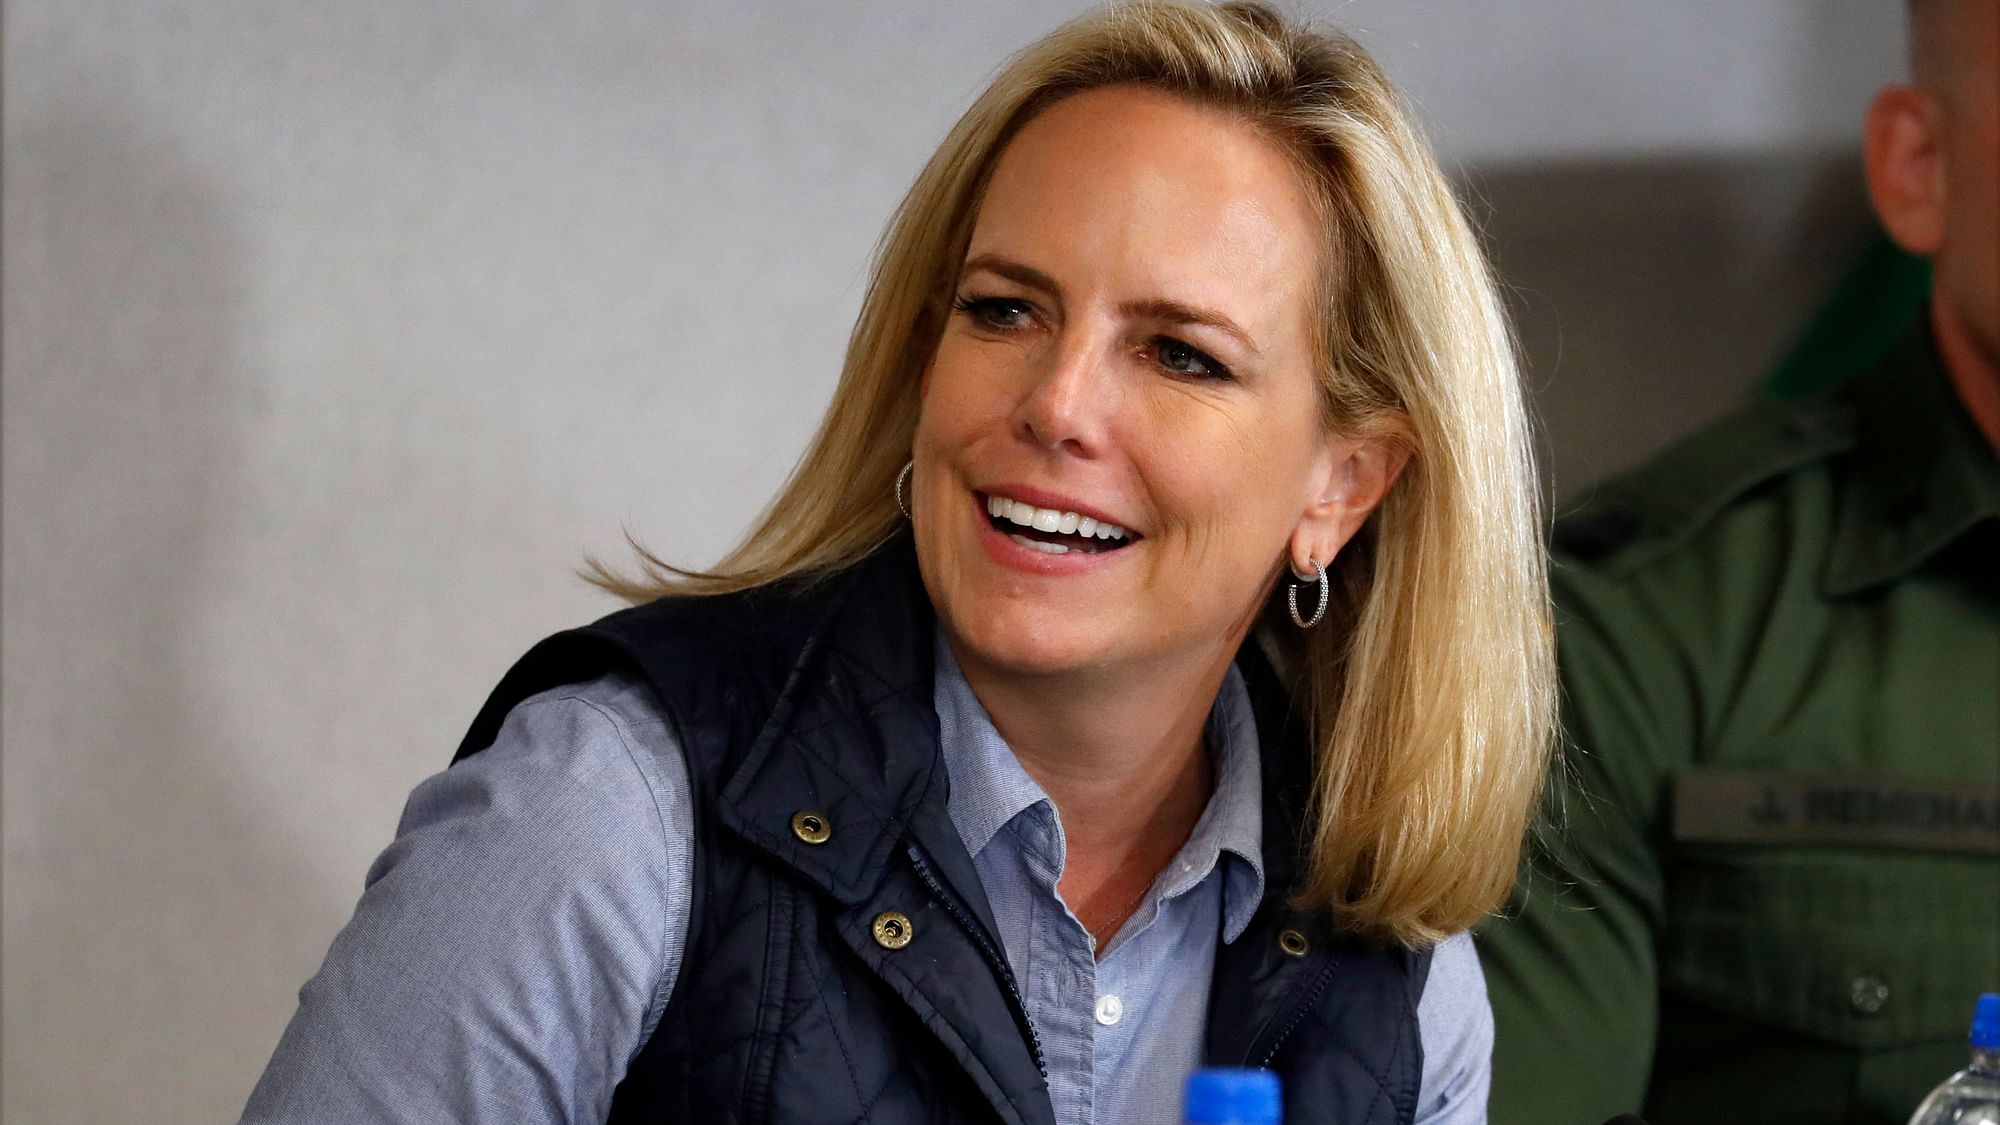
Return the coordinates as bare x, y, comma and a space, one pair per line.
1068, 406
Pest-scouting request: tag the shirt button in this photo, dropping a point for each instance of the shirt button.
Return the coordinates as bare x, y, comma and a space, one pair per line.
1867, 993
1110, 1009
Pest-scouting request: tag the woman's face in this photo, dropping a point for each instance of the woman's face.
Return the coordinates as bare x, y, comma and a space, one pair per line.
1121, 442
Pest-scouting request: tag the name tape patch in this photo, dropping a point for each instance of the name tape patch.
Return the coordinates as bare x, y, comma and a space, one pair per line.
1859, 810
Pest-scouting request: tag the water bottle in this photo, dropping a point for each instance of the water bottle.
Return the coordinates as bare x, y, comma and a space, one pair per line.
1972, 1096
1224, 1096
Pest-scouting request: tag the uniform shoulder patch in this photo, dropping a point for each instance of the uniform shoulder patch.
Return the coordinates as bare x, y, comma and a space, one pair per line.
1696, 478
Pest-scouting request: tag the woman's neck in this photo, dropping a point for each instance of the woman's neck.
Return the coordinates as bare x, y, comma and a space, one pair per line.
1124, 761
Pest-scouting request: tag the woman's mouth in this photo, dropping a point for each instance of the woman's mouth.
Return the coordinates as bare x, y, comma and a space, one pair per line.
1053, 531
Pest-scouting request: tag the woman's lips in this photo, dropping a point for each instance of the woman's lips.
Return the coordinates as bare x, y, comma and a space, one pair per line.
1031, 549
1066, 526
1055, 505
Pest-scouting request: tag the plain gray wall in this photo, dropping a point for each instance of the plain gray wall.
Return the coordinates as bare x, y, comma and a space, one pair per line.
336, 334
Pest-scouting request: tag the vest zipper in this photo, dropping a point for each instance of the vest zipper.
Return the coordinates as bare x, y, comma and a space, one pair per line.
1298, 1014
992, 955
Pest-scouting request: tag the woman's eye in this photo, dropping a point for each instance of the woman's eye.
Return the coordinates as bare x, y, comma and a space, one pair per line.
996, 313
1186, 359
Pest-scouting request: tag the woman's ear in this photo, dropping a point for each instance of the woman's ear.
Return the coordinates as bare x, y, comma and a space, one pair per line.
1357, 475
1905, 168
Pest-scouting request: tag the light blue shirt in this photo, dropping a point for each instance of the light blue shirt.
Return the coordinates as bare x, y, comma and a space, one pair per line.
1120, 1034
515, 946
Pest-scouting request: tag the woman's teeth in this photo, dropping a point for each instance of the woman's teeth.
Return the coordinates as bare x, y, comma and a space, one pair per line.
1038, 545
1050, 521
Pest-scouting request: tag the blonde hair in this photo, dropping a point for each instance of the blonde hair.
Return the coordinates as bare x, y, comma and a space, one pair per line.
1429, 689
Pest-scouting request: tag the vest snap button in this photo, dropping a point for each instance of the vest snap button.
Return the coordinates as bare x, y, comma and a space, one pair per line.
893, 930
1293, 943
811, 826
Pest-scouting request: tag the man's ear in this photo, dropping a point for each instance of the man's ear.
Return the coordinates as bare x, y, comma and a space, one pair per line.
1905, 167
1359, 474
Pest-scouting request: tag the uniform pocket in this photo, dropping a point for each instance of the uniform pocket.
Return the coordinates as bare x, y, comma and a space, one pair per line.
1868, 947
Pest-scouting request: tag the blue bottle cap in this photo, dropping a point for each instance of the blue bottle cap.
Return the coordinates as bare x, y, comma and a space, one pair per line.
1986, 1021
1221, 1096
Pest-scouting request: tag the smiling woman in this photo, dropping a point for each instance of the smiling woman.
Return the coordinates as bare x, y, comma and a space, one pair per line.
1155, 623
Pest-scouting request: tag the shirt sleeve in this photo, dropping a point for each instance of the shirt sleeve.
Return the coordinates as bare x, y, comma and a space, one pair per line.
1455, 1026
515, 944
1574, 969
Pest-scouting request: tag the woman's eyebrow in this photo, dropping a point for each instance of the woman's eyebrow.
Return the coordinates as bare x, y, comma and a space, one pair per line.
1174, 312
1013, 271
1158, 308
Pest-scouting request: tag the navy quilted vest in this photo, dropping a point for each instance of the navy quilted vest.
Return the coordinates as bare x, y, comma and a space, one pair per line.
787, 1010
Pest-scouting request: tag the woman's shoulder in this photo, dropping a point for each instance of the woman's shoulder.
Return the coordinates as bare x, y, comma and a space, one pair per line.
687, 650
600, 748
578, 815
610, 715
526, 923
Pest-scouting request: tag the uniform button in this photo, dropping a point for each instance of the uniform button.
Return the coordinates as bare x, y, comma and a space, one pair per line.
1110, 1009
1867, 993
893, 930
811, 826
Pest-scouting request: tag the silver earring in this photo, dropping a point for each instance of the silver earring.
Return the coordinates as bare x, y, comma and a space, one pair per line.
1292, 598
902, 479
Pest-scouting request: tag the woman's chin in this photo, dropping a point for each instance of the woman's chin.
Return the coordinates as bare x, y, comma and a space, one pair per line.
1031, 645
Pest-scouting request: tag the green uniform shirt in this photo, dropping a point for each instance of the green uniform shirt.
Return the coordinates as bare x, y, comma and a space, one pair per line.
1771, 884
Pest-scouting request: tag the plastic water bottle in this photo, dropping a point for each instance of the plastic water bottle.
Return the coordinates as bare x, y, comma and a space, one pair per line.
1222, 1096
1972, 1096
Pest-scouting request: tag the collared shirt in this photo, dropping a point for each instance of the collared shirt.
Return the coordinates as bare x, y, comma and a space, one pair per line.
1121, 1033
515, 946
1778, 889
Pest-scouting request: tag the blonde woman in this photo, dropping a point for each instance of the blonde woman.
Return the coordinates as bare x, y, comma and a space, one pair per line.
1146, 666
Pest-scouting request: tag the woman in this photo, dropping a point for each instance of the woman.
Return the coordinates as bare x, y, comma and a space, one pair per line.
960, 792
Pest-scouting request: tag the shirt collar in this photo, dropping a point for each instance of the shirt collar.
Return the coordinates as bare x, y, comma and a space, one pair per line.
1920, 476
989, 788
1233, 823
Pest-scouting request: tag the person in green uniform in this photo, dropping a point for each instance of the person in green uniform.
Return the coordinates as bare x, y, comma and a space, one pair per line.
1770, 889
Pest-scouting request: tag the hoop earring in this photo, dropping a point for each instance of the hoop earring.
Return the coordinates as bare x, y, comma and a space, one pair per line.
902, 479
1292, 598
